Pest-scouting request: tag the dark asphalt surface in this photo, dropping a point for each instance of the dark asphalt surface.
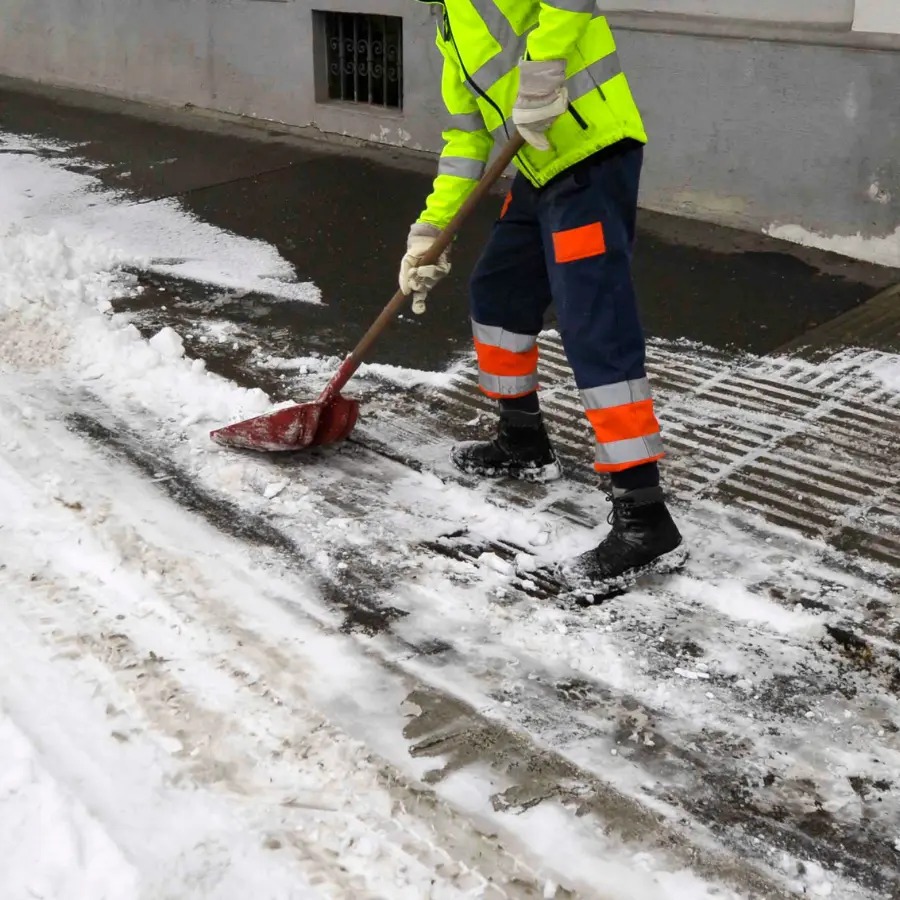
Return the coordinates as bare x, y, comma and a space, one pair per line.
341, 218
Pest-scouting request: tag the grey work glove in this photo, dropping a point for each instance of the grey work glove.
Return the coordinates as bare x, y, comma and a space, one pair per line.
419, 280
542, 99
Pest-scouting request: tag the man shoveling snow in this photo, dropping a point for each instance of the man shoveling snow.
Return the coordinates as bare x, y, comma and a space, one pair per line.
565, 236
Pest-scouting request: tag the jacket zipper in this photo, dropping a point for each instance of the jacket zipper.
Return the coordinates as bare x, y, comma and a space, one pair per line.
578, 118
571, 109
480, 92
582, 124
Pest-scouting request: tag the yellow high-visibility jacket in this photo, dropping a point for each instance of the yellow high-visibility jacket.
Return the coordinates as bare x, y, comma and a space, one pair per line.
482, 42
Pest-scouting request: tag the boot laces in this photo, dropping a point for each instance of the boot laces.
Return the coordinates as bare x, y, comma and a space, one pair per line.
622, 514
616, 545
621, 511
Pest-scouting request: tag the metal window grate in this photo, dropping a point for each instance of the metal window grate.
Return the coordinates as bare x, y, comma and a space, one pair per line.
363, 57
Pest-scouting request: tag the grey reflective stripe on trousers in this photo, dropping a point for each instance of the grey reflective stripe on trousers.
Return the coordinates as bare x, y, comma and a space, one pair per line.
461, 167
609, 395
635, 450
495, 336
579, 85
508, 385
469, 122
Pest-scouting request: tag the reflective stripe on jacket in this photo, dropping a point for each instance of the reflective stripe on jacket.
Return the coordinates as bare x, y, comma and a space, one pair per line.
482, 43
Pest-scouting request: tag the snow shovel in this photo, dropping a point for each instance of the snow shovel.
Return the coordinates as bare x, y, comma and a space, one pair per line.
331, 418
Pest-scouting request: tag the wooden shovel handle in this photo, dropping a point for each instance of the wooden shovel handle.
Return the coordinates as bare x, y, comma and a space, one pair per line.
488, 180
430, 257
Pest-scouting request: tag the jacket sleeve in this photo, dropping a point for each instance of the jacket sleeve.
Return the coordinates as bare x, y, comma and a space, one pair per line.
560, 25
467, 146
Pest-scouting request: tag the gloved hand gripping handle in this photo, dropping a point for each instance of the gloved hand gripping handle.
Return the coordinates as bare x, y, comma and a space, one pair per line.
430, 257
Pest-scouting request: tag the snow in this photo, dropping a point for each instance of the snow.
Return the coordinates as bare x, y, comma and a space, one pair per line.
182, 711
635, 876
274, 489
167, 343
693, 676
884, 251
40, 195
733, 599
51, 846
887, 370
326, 366
142, 722
52, 293
407, 377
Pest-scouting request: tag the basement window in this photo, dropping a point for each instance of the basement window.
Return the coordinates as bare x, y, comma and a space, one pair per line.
359, 58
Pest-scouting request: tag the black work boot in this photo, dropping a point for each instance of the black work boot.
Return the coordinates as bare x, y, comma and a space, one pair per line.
643, 537
518, 451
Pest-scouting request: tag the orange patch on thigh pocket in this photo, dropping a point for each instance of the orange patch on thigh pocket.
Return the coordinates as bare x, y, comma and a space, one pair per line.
579, 243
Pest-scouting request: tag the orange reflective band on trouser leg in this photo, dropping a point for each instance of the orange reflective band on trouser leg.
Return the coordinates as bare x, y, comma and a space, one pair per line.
506, 203
498, 361
625, 425
506, 373
507, 361
621, 423
579, 243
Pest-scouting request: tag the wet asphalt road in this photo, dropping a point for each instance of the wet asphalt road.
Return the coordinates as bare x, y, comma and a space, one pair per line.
341, 217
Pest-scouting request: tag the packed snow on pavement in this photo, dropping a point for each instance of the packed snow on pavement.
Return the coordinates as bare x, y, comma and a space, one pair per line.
224, 675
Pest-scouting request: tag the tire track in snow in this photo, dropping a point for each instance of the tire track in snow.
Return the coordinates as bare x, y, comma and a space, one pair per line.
399, 659
165, 646
675, 732
405, 657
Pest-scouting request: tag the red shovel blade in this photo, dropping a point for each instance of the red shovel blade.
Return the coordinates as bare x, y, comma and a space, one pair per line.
292, 428
336, 420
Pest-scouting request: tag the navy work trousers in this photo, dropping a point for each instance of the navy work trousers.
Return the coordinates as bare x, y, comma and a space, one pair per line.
571, 244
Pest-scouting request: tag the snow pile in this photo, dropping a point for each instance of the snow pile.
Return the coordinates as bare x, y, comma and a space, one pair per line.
808, 877
64, 243
407, 378
49, 845
160, 236
302, 365
44, 281
53, 295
